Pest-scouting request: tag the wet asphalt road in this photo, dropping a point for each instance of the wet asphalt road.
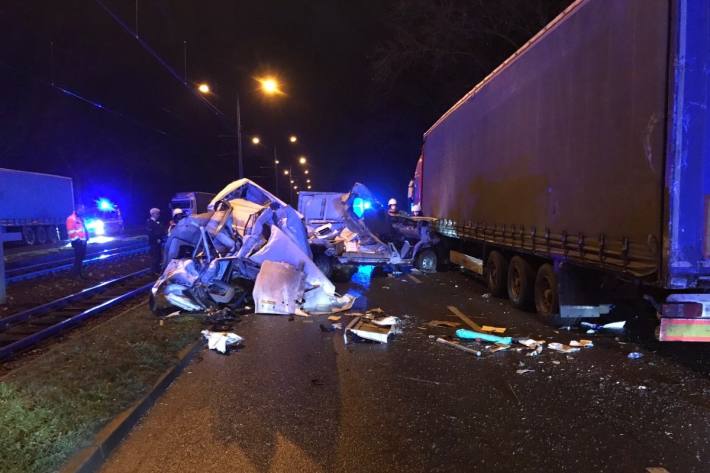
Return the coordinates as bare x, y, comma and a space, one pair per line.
294, 398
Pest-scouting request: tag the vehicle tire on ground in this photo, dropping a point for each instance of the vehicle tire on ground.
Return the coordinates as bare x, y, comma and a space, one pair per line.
343, 272
497, 274
28, 235
521, 283
52, 234
426, 261
547, 301
324, 263
41, 234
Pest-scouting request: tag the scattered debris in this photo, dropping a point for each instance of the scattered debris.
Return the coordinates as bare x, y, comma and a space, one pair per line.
370, 329
472, 335
443, 323
478, 328
581, 343
458, 346
536, 351
220, 341
561, 347
523, 371
656, 469
334, 318
487, 295
634, 355
326, 328
610, 326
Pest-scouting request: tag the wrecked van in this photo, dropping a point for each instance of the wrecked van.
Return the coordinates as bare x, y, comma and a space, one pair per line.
353, 228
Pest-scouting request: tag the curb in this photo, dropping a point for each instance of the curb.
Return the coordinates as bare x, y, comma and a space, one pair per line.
92, 458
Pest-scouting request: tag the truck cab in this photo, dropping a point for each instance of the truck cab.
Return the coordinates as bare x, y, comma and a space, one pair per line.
191, 202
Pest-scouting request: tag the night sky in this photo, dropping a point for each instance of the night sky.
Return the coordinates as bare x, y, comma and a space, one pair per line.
362, 80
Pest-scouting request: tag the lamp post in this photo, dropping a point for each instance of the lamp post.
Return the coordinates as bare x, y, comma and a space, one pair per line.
269, 86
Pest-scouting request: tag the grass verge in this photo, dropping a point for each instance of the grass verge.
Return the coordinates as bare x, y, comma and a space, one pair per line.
55, 404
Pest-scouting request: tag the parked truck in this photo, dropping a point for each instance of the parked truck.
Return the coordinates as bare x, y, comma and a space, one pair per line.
579, 169
191, 202
35, 204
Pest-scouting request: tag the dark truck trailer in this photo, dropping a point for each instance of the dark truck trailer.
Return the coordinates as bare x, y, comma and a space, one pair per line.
585, 158
35, 204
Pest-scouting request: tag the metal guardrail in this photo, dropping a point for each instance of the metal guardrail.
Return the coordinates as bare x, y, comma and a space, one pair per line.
74, 317
24, 273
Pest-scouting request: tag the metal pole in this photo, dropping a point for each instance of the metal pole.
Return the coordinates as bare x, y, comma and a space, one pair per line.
239, 139
276, 173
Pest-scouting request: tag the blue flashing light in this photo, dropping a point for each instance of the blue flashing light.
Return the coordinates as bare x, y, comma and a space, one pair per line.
105, 205
360, 205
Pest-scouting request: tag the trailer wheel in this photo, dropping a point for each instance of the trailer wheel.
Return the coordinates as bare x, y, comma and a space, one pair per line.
28, 235
52, 234
521, 283
426, 261
546, 292
497, 274
41, 233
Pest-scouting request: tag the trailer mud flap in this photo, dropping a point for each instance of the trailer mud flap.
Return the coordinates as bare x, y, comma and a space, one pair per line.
684, 330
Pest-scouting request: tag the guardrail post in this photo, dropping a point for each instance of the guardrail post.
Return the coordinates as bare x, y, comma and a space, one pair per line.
3, 238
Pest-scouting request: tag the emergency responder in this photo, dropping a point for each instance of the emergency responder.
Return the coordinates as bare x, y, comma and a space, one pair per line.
392, 207
178, 215
156, 237
416, 210
79, 237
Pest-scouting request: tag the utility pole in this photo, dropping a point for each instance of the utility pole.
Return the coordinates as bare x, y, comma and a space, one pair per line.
276, 173
239, 140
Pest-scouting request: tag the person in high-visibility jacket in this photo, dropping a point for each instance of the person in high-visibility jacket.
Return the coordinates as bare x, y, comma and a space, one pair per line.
79, 238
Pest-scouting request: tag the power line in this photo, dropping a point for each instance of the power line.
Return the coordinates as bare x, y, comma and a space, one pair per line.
157, 57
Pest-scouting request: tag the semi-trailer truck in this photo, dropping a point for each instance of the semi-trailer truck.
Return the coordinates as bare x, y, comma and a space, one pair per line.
579, 169
35, 204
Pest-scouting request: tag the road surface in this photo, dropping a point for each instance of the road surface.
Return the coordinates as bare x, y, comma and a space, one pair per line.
296, 399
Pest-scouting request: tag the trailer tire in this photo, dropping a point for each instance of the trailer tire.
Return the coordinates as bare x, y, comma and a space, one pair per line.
547, 302
41, 233
521, 283
52, 234
28, 235
497, 274
426, 261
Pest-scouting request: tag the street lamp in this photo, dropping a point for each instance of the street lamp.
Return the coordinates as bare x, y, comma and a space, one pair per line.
269, 86
286, 172
305, 172
302, 160
256, 140
309, 187
293, 138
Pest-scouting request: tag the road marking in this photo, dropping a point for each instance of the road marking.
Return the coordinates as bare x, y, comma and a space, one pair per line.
414, 278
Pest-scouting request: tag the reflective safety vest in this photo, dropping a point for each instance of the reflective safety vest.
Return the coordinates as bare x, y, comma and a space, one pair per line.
75, 228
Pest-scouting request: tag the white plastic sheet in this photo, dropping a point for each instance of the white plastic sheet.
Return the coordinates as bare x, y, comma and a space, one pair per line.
278, 288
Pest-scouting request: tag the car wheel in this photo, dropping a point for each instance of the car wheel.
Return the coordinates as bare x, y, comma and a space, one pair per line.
28, 235
426, 261
497, 274
521, 283
547, 301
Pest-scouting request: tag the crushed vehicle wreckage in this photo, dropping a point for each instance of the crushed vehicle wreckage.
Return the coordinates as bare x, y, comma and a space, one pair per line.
353, 228
249, 244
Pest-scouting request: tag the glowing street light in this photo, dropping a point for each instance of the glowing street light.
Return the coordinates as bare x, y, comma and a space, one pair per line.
276, 161
285, 172
270, 86
203, 88
292, 181
305, 172
256, 140
292, 138
302, 160
309, 187
308, 181
295, 188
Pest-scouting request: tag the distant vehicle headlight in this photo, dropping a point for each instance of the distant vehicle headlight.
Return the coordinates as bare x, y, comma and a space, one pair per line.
97, 227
